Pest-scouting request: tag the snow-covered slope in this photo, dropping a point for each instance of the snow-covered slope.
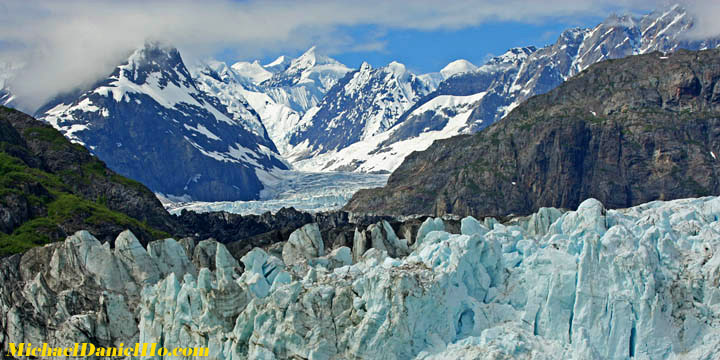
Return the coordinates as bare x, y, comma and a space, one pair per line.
7, 72
153, 122
363, 104
252, 70
386, 151
588, 284
280, 64
453, 68
305, 80
504, 82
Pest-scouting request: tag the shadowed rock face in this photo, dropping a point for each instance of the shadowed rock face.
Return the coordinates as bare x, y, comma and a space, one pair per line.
51, 188
624, 131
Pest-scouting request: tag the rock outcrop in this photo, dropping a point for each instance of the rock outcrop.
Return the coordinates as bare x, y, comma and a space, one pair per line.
51, 188
623, 131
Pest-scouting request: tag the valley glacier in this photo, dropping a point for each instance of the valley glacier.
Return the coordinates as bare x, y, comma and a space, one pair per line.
305, 191
639, 283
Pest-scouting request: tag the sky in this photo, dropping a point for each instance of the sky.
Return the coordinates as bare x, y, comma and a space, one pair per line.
73, 43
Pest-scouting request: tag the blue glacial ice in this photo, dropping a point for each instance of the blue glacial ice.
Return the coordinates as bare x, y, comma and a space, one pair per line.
641, 283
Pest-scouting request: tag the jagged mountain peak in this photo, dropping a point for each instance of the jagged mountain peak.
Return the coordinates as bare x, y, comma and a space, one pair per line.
179, 134
305, 81
365, 66
512, 56
311, 58
155, 58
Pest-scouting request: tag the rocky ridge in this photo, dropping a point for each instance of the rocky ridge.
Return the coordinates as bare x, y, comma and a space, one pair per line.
623, 131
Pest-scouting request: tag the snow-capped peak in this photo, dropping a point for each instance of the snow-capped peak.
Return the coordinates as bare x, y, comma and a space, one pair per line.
162, 60
280, 64
510, 58
398, 69
303, 84
252, 70
457, 67
365, 66
309, 59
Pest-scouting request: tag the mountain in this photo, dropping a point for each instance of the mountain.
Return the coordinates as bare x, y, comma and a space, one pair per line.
252, 70
459, 66
7, 71
468, 102
364, 103
625, 132
281, 91
305, 81
51, 188
151, 121
278, 65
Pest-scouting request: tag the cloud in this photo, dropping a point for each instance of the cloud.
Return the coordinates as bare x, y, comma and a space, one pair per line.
72, 43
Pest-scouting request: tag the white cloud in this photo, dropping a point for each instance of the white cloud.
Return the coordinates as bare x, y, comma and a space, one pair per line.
71, 43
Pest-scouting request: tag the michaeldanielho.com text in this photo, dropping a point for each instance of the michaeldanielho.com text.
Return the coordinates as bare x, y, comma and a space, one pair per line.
87, 349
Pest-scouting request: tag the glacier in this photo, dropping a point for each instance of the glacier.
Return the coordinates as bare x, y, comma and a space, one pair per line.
641, 283
305, 191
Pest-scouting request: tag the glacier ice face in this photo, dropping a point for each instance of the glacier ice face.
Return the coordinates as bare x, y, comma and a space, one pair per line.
303, 244
310, 192
81, 290
638, 283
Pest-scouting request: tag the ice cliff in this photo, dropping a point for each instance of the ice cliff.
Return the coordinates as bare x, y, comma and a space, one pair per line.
637, 283
641, 283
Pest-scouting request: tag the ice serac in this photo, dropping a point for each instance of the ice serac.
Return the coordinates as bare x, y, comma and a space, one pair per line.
179, 134
304, 244
591, 284
81, 290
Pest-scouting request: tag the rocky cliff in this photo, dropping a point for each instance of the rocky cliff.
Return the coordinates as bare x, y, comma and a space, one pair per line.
623, 131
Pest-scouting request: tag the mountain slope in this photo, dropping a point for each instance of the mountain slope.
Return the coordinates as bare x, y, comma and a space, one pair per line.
435, 116
625, 132
363, 104
150, 120
51, 188
305, 81
512, 78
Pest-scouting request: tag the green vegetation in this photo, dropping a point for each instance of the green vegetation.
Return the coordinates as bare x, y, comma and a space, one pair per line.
54, 208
